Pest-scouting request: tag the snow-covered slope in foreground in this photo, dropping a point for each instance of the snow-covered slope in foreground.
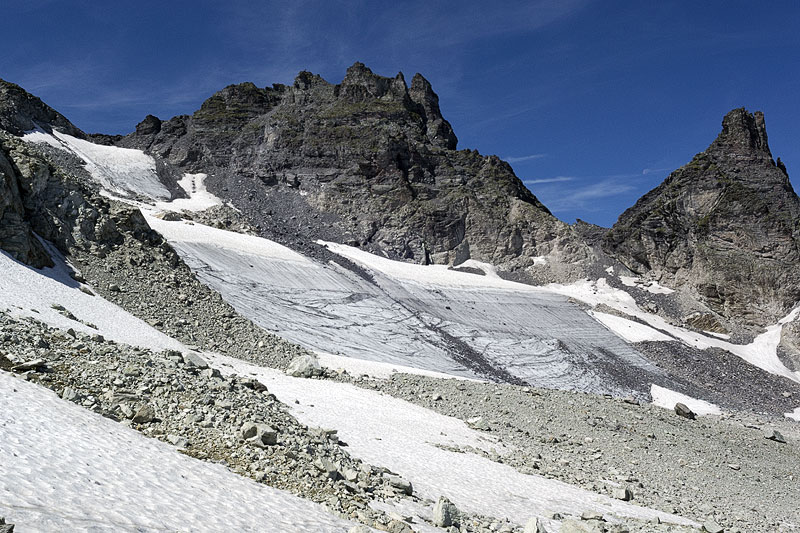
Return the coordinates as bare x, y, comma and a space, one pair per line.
65, 468
408, 439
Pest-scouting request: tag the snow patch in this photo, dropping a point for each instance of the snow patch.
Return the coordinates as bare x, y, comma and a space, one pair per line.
628, 329
406, 438
189, 232
487, 268
66, 468
199, 197
794, 415
440, 275
667, 399
123, 171
650, 286
762, 352
27, 292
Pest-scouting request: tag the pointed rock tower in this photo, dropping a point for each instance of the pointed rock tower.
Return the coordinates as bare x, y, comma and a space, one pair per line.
726, 226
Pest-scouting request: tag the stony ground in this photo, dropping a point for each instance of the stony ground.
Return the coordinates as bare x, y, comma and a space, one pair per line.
233, 421
719, 468
176, 398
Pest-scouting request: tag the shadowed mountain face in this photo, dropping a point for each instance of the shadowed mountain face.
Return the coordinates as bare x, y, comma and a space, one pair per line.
726, 226
369, 162
20, 111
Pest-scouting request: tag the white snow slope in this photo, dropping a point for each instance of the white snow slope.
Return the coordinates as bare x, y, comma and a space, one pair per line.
64, 468
404, 437
668, 398
118, 170
430, 318
25, 291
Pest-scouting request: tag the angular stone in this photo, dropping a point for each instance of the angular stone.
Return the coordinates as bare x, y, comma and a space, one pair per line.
445, 513
774, 434
622, 493
478, 423
144, 415
259, 434
582, 526
403, 485
535, 525
710, 526
33, 364
330, 468
684, 411
304, 366
6, 528
195, 361
397, 526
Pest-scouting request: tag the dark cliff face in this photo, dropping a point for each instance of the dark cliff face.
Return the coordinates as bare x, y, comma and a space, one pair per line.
20, 111
369, 162
726, 225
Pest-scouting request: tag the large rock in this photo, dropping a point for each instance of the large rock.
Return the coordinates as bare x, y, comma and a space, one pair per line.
144, 415
582, 526
20, 111
16, 236
535, 525
259, 434
725, 227
445, 513
681, 409
304, 366
6, 528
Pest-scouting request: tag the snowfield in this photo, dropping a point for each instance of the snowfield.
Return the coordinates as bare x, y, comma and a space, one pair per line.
122, 171
427, 317
65, 468
27, 292
406, 438
198, 197
668, 398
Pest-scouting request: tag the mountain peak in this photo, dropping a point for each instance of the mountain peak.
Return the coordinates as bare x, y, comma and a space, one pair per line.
726, 225
361, 84
743, 129
21, 111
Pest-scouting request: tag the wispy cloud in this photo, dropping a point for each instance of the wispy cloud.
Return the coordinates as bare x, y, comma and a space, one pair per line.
588, 192
646, 171
524, 158
556, 179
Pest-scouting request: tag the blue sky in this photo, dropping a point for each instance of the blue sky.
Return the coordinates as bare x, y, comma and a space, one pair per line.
592, 102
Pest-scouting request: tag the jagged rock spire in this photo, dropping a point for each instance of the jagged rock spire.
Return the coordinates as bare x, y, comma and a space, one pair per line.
726, 226
744, 130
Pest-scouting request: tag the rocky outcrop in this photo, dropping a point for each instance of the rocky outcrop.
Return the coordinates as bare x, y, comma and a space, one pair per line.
16, 236
39, 197
20, 111
369, 162
725, 227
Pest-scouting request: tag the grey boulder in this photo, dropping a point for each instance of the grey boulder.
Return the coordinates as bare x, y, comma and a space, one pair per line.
304, 366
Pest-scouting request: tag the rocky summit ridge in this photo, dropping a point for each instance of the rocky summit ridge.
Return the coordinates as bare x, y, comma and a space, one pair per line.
370, 162
725, 227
